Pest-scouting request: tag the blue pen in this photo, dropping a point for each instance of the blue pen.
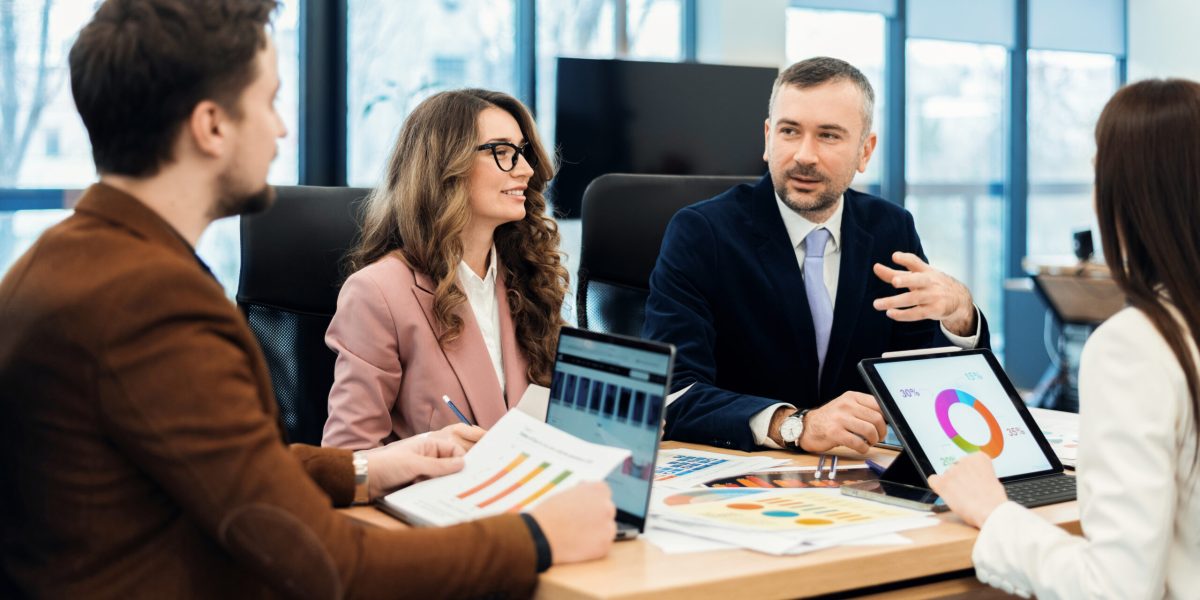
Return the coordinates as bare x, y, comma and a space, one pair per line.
457, 413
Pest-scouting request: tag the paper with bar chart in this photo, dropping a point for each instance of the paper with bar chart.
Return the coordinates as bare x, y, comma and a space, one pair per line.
520, 462
687, 468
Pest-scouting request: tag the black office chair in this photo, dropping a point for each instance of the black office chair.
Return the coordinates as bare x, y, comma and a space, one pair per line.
624, 218
291, 274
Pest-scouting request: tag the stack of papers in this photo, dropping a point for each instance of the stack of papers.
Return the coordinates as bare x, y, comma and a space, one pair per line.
518, 464
679, 469
1062, 431
778, 521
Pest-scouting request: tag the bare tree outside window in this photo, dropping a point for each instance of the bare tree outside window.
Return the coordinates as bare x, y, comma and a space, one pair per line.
45, 153
400, 53
35, 96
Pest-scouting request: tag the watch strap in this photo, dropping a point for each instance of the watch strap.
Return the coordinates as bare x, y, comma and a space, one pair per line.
362, 490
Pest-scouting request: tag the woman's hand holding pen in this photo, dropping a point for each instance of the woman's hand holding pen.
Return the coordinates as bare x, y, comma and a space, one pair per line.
465, 436
405, 461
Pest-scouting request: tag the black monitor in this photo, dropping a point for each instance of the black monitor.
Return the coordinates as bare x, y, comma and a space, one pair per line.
620, 116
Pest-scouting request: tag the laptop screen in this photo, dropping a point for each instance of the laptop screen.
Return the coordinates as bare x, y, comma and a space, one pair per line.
955, 405
610, 390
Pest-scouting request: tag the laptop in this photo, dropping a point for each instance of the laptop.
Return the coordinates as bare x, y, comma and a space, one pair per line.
944, 406
610, 390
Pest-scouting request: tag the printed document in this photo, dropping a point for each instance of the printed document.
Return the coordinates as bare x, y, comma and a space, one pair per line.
519, 463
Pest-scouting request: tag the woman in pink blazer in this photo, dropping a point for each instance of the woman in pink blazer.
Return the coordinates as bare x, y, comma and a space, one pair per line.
456, 285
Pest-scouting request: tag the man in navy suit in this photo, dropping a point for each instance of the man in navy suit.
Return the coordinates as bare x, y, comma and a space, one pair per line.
773, 292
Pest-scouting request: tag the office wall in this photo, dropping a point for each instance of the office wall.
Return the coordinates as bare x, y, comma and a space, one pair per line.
735, 32
1163, 40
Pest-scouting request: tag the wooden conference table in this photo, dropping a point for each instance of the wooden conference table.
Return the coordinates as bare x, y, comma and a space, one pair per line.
936, 564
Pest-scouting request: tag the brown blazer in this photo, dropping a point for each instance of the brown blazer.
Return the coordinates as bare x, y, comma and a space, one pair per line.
139, 450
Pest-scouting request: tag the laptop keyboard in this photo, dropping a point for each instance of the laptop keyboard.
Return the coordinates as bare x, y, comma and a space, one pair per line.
1042, 490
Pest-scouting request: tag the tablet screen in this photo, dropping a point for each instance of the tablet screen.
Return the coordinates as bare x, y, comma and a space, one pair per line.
955, 405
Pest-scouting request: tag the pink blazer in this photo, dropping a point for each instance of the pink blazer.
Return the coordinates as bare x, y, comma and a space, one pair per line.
390, 373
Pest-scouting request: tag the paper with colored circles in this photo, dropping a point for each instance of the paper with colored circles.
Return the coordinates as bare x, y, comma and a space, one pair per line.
779, 511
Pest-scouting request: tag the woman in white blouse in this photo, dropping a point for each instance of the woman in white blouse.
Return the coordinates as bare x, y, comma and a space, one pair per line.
457, 283
1139, 484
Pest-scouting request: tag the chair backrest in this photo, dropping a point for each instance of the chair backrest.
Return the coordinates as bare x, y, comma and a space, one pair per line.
624, 218
291, 273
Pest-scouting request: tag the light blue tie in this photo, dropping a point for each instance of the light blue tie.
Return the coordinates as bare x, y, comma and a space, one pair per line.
814, 287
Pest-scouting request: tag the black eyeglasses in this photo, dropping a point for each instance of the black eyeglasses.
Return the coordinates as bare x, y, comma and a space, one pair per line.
507, 153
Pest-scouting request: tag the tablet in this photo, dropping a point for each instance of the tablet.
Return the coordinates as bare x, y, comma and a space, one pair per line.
947, 405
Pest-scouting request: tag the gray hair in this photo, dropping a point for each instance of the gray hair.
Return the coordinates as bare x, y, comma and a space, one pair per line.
817, 70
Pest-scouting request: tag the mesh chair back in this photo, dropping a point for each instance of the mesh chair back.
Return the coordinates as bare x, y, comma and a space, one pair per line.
291, 274
624, 218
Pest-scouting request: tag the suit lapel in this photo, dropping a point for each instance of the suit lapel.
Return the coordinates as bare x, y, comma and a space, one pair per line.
778, 259
853, 276
515, 363
468, 358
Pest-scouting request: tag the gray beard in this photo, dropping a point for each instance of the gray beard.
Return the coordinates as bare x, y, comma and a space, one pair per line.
825, 201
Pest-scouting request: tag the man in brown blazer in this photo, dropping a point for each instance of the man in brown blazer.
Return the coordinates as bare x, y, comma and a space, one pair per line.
139, 450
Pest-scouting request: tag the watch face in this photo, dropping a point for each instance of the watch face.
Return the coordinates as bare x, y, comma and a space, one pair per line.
790, 429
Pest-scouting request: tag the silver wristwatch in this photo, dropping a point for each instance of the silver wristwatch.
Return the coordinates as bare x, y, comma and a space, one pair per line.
362, 492
792, 428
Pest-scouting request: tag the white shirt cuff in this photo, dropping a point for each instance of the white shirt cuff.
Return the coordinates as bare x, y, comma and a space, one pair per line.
966, 343
760, 425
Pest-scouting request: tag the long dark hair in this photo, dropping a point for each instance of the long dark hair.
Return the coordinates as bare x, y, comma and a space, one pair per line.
421, 209
1148, 205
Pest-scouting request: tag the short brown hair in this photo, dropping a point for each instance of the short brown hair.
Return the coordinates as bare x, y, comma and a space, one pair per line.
139, 68
818, 70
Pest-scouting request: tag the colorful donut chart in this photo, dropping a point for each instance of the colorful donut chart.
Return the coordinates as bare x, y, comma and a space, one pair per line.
948, 398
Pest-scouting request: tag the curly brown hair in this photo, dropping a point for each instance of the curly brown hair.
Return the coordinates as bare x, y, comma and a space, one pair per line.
421, 209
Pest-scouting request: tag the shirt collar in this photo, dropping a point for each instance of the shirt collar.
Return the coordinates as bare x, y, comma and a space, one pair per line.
468, 275
798, 227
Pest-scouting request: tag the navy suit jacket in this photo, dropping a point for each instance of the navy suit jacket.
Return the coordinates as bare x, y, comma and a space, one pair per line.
728, 291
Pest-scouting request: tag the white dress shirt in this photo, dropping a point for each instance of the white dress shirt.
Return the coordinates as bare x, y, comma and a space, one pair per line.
798, 228
481, 295
1139, 496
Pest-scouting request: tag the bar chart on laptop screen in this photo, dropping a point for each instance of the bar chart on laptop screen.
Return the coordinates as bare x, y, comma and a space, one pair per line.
612, 395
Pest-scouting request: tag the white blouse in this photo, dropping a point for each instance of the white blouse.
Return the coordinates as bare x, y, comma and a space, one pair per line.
481, 295
1139, 495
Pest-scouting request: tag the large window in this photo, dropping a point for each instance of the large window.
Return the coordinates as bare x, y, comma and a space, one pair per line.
400, 53
654, 29
45, 156
578, 28
857, 38
1067, 90
43, 146
956, 146
42, 141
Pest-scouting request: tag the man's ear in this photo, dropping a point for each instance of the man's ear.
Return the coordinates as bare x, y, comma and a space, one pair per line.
868, 149
207, 128
767, 140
